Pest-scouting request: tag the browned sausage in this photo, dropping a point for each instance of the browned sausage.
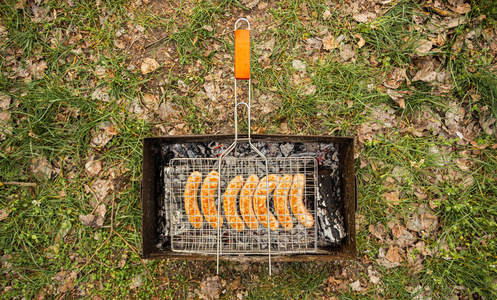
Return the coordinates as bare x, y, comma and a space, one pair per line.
260, 198
229, 203
209, 189
281, 202
297, 203
190, 198
246, 196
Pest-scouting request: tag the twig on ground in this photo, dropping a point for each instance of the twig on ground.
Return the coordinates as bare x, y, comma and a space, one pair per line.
18, 183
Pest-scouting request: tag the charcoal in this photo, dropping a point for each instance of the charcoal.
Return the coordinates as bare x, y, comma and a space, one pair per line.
329, 225
286, 148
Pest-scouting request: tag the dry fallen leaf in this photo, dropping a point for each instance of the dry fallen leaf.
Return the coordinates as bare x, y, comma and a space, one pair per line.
426, 75
397, 97
5, 127
395, 78
66, 280
212, 286
356, 286
149, 65
382, 260
41, 167
361, 41
299, 65
326, 14
462, 8
377, 231
151, 101
373, 275
329, 43
392, 198
4, 101
402, 236
422, 220
4, 213
210, 90
93, 167
100, 188
102, 94
104, 134
423, 46
166, 110
364, 17
454, 117
347, 52
455, 22
393, 254
96, 219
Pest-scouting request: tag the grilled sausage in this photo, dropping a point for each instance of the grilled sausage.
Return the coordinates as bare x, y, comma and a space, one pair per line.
229, 203
260, 197
246, 196
209, 189
297, 203
281, 202
190, 198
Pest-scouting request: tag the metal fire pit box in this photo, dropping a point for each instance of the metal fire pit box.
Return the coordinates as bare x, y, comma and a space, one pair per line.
335, 186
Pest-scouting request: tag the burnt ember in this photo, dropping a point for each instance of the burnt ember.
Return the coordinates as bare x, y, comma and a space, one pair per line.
327, 202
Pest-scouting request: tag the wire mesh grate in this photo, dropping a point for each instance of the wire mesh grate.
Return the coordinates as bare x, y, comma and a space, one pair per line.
293, 230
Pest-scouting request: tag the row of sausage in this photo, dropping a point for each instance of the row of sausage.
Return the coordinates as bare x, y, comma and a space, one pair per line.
253, 198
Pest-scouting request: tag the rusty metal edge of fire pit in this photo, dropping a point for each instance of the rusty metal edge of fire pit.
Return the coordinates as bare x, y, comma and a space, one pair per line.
151, 173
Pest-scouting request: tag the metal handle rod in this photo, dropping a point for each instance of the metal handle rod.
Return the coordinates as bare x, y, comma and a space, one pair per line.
229, 149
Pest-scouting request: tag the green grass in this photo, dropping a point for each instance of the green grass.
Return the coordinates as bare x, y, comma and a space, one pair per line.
55, 117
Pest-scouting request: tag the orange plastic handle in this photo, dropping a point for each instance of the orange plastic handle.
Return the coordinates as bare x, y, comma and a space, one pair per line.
242, 54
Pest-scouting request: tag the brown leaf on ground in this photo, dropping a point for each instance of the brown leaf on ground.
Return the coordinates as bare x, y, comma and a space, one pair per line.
100, 188
335, 285
356, 286
347, 52
93, 167
378, 231
422, 220
96, 219
393, 254
149, 65
454, 117
102, 94
374, 275
402, 237
425, 120
166, 110
211, 287
66, 280
4, 213
462, 8
151, 101
455, 22
313, 44
398, 97
423, 46
395, 78
364, 17
385, 262
5, 127
361, 41
326, 14
41, 167
392, 198
4, 101
41, 14
103, 135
